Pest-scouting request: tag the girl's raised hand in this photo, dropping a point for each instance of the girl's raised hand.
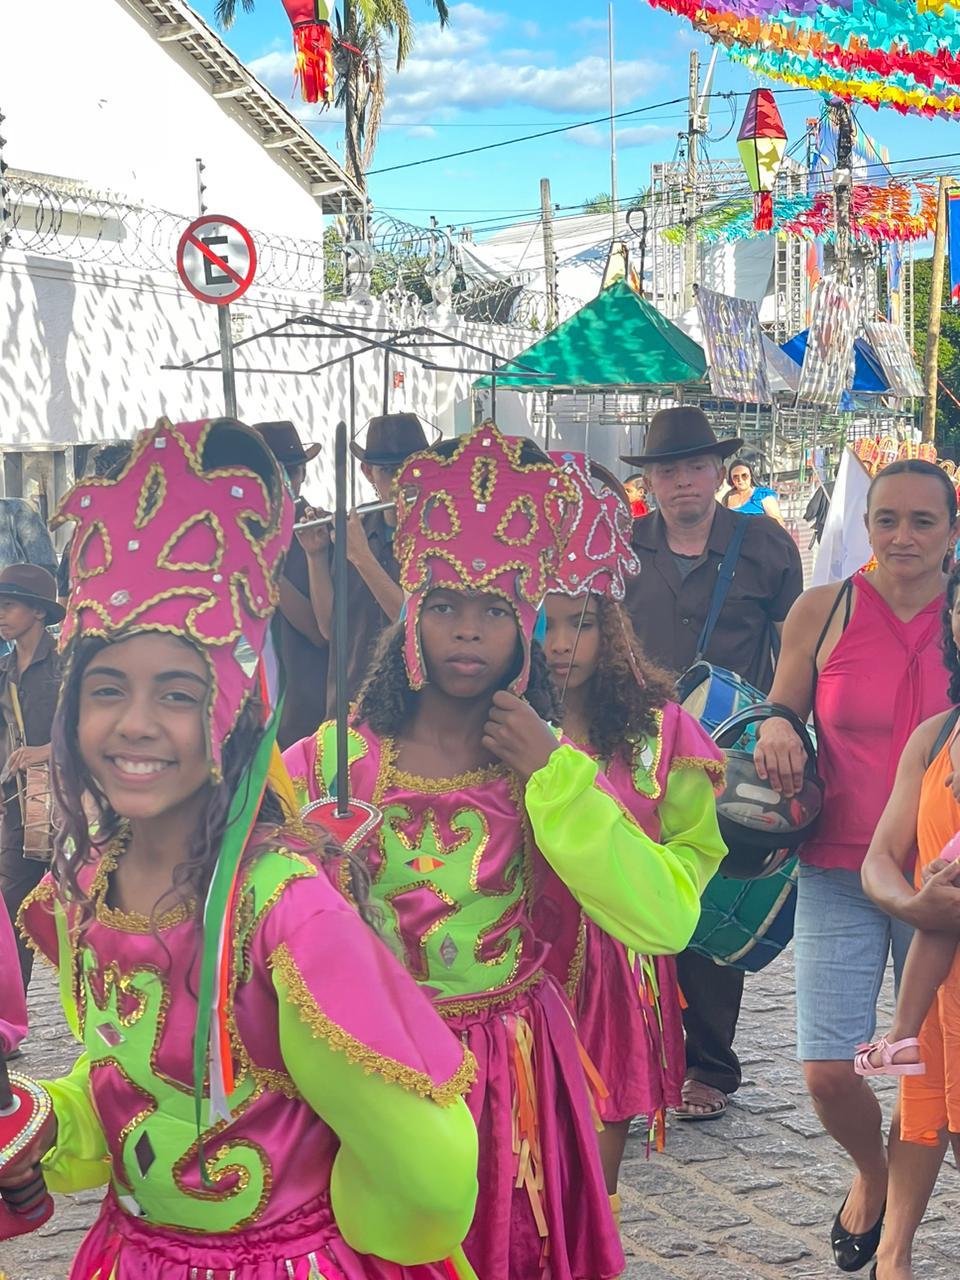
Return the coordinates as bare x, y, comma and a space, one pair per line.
516, 734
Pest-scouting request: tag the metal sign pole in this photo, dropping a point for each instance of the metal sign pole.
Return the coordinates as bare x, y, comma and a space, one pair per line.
226, 362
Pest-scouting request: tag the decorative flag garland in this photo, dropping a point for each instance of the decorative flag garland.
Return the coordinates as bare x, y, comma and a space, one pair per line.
903, 54
894, 212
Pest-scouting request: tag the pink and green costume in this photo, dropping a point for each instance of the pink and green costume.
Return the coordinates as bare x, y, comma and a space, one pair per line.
347, 1142
469, 872
627, 1003
268, 1096
481, 880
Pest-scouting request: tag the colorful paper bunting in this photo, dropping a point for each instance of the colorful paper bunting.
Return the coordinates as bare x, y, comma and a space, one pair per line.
904, 54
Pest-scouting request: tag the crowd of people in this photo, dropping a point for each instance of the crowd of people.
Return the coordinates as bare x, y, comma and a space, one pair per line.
415, 1045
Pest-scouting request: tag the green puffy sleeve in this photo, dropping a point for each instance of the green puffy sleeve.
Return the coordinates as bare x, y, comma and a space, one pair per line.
403, 1185
79, 1159
643, 893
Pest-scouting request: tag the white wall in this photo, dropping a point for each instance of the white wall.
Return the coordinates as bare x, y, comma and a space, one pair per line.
82, 350
88, 94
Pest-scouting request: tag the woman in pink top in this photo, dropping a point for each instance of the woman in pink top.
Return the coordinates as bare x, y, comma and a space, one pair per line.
866, 659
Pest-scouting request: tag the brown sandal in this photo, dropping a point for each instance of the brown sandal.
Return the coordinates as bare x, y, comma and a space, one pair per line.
697, 1094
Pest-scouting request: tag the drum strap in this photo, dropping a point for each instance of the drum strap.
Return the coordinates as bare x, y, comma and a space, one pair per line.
845, 593
946, 729
725, 573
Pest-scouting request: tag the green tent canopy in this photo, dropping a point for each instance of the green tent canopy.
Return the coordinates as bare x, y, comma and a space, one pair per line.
617, 340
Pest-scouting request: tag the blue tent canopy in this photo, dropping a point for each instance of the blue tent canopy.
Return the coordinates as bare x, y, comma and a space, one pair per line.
868, 378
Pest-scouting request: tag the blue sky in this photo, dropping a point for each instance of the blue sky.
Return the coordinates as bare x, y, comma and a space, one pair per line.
502, 71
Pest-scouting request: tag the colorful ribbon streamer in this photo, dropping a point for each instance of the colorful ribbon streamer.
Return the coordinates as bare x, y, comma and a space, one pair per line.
904, 54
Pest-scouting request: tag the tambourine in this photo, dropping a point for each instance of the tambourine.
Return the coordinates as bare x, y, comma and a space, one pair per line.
25, 1112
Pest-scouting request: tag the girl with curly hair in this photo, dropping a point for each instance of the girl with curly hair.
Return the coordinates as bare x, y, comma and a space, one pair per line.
262, 1092
662, 768
494, 835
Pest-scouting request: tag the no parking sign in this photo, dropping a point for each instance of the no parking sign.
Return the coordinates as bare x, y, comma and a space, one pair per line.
216, 259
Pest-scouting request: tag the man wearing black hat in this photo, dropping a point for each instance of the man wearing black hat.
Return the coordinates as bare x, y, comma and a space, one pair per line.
374, 598
29, 688
302, 648
681, 546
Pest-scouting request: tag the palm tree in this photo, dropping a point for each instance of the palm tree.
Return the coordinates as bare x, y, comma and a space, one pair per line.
367, 26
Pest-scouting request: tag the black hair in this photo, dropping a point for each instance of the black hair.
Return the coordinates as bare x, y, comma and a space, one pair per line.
741, 462
76, 845
951, 655
917, 467
111, 459
386, 702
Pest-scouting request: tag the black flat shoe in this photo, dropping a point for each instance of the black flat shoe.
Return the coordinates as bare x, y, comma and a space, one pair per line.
852, 1252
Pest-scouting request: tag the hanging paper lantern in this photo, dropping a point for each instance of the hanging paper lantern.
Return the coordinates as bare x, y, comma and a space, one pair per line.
761, 142
313, 42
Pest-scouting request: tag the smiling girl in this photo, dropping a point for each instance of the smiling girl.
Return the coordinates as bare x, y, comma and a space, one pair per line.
490, 827
662, 768
318, 1130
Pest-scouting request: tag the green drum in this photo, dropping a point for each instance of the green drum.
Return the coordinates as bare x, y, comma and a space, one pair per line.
747, 923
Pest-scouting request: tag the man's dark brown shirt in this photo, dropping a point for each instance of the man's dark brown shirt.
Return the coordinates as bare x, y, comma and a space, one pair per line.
365, 619
668, 608
38, 688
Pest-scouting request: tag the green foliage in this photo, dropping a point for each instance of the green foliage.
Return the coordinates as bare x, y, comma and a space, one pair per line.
412, 270
948, 412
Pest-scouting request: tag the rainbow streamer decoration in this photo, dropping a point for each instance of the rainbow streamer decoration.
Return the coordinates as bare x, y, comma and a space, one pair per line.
903, 54
897, 211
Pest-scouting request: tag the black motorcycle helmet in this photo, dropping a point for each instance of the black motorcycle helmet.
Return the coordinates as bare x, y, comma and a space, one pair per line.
760, 827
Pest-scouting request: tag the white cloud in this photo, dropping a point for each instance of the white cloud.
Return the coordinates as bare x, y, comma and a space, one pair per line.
530, 29
424, 87
632, 136
589, 24
421, 131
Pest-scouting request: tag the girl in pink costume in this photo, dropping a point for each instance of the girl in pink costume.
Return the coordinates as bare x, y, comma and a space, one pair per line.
491, 830
262, 1089
663, 769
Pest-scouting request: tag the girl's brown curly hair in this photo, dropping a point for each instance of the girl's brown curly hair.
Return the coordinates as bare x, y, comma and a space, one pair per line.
386, 702
621, 707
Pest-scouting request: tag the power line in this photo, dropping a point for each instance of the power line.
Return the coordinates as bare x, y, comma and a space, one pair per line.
566, 128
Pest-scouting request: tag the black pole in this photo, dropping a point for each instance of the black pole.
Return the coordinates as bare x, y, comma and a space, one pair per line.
340, 616
353, 429
386, 382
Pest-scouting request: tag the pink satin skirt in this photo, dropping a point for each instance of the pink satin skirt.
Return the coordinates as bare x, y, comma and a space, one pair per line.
630, 1023
543, 1208
305, 1245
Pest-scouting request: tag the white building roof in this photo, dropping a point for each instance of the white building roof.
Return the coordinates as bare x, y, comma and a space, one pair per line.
185, 35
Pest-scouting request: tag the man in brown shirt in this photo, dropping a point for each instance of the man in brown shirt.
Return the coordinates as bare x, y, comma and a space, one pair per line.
374, 598
302, 648
29, 688
680, 546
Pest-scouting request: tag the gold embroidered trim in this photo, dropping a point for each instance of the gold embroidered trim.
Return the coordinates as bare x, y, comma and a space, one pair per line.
489, 1000
45, 891
340, 1040
128, 921
575, 972
209, 521
716, 770
433, 786
153, 494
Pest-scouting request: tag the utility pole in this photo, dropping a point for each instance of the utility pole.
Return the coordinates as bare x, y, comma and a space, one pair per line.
843, 189
613, 125
931, 362
693, 137
549, 254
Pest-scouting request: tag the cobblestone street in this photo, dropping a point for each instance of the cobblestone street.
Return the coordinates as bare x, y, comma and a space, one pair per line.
749, 1196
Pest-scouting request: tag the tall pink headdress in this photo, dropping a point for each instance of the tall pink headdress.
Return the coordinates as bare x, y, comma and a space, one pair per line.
598, 557
188, 539
490, 513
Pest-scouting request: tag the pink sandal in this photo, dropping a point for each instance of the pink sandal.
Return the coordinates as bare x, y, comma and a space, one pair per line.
887, 1048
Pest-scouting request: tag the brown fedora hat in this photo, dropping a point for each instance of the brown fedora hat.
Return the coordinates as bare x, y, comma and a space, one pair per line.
390, 440
283, 441
34, 586
681, 432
